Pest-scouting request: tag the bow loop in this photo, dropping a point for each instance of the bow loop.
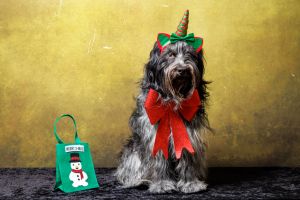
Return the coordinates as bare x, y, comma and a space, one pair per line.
153, 107
190, 106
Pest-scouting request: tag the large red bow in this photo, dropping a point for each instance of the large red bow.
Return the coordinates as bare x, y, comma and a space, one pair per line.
171, 120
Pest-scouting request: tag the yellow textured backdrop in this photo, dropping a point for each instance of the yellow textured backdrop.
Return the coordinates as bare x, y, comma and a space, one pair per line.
85, 57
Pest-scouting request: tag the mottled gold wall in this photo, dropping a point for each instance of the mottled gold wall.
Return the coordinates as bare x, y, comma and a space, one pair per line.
85, 57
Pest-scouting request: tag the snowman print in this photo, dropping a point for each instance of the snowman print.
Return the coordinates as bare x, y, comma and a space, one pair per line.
77, 175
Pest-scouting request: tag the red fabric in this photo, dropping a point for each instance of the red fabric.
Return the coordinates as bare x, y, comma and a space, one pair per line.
161, 48
171, 120
199, 48
78, 171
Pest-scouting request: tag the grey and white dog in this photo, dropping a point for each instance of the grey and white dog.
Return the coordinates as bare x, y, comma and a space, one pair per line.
174, 73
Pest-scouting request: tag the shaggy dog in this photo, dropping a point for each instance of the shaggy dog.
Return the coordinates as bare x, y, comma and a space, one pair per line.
174, 73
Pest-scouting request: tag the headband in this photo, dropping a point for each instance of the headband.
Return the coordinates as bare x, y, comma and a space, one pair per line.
164, 39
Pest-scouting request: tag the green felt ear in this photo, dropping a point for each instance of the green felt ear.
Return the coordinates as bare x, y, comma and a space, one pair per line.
163, 39
198, 43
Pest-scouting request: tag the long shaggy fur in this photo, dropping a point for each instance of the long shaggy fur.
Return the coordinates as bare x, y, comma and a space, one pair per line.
174, 73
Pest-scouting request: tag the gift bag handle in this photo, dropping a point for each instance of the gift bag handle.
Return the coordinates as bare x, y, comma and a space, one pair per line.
77, 140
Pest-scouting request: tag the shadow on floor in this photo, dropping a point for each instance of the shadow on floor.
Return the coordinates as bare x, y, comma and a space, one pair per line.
236, 175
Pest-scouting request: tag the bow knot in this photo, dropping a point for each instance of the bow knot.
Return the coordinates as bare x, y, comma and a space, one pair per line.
189, 38
171, 120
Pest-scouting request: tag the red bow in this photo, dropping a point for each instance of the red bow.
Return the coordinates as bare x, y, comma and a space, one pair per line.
78, 171
171, 120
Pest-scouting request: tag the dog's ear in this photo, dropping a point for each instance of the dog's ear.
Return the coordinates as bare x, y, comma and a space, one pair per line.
202, 87
200, 63
150, 68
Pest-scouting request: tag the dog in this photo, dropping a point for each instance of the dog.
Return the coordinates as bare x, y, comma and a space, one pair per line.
174, 72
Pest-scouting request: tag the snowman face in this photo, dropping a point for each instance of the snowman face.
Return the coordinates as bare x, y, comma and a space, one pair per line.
76, 165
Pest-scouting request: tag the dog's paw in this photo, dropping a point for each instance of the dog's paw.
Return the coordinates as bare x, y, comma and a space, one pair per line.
131, 184
192, 186
164, 186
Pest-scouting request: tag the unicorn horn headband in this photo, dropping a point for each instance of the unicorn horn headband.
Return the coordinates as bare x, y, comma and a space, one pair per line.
164, 39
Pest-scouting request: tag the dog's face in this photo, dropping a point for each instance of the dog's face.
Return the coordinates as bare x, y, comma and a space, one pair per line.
175, 72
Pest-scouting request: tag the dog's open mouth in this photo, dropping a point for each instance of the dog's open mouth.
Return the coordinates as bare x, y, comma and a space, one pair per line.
183, 83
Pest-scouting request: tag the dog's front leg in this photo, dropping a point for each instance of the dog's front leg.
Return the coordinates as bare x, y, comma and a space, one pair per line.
130, 171
160, 177
191, 173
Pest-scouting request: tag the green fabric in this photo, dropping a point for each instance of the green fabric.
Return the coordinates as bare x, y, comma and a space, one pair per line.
163, 39
188, 38
197, 43
66, 179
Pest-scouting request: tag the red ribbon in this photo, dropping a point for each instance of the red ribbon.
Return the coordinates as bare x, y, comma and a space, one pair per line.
78, 171
171, 120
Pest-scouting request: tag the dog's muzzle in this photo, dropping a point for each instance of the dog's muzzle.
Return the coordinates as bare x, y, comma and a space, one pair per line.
182, 81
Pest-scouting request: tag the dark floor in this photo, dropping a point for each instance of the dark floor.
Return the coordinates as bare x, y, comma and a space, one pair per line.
224, 183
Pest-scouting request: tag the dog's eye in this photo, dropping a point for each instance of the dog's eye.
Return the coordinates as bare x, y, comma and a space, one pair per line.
172, 55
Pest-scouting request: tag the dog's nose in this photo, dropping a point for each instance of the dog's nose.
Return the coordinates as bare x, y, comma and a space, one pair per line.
182, 70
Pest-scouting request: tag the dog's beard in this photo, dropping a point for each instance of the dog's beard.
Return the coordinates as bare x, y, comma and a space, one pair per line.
179, 81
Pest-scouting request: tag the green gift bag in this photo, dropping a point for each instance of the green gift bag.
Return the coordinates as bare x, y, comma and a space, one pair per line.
74, 166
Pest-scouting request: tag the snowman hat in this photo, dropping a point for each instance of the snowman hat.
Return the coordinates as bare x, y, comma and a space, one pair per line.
164, 39
75, 157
